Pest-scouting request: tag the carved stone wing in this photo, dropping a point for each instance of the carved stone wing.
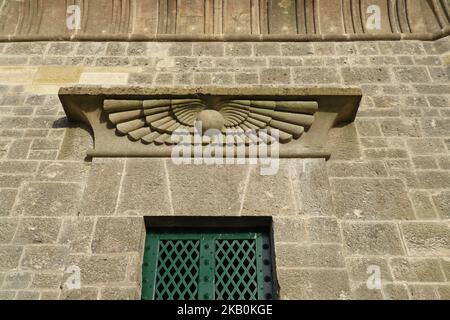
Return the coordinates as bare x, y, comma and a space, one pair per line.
154, 121
291, 118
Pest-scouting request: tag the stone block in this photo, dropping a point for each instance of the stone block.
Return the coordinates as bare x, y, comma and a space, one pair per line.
287, 229
119, 293
436, 127
316, 75
275, 76
426, 146
416, 270
7, 198
102, 188
37, 231
267, 49
46, 280
422, 204
45, 257
442, 203
426, 238
323, 230
76, 143
88, 293
48, 199
356, 75
10, 257
401, 128
246, 78
238, 49
434, 179
116, 49
411, 74
207, 190
208, 49
360, 291
180, 49
144, 188
19, 149
371, 199
395, 291
297, 49
423, 292
313, 188
8, 228
359, 268
57, 75
63, 171
343, 143
17, 280
371, 169
100, 269
117, 235
313, 284
28, 295
375, 239
76, 232
307, 256
271, 194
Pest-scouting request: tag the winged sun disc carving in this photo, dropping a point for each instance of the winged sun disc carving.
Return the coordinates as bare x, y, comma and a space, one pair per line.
154, 121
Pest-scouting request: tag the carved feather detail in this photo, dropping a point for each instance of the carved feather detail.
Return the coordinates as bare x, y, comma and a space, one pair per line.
154, 121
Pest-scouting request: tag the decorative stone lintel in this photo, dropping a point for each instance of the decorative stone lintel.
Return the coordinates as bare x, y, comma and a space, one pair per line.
123, 133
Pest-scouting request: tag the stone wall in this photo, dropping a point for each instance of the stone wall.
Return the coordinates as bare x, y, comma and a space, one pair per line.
383, 199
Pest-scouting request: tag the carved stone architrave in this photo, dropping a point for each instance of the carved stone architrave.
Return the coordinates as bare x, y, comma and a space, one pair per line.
223, 20
140, 122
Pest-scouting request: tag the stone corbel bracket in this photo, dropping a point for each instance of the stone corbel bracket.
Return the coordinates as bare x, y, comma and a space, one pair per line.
139, 122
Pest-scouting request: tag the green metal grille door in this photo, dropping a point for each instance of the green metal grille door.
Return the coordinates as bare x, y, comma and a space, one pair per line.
207, 266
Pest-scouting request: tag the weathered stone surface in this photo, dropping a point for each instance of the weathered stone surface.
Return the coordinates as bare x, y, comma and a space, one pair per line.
116, 235
426, 238
287, 229
359, 267
434, 179
395, 291
442, 203
76, 232
271, 194
357, 169
7, 199
144, 188
323, 230
360, 291
372, 239
201, 189
48, 199
10, 257
8, 228
37, 231
44, 257
417, 270
100, 269
77, 140
343, 142
63, 172
88, 293
102, 189
119, 293
422, 204
46, 281
423, 292
304, 256
371, 199
312, 188
313, 284
17, 280
28, 295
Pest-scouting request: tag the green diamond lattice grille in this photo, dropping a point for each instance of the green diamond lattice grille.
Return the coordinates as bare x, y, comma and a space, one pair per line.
207, 266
